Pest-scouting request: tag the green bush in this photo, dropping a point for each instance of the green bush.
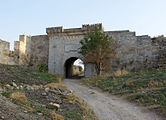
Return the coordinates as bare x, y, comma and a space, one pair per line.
42, 67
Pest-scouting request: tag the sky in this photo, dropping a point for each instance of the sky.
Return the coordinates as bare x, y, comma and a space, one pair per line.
32, 17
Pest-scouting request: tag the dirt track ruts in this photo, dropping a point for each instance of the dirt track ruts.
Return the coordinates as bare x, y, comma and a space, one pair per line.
108, 107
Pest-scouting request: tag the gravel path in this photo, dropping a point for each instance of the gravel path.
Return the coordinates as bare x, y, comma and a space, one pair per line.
108, 107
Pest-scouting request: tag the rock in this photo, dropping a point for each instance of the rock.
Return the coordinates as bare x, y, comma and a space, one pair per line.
28, 87
56, 91
143, 92
67, 92
47, 89
53, 106
2, 117
25, 111
21, 87
44, 94
43, 105
14, 84
40, 114
8, 87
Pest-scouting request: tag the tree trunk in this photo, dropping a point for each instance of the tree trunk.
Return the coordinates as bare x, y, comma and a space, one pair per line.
100, 69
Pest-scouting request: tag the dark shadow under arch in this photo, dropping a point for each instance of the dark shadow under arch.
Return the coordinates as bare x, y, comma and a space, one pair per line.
68, 67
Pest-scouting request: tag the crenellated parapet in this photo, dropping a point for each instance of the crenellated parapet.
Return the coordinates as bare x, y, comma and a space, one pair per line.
75, 31
53, 30
92, 27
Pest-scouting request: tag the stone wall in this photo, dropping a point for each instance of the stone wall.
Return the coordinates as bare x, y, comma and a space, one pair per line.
29, 50
159, 53
39, 48
6, 56
133, 53
24, 49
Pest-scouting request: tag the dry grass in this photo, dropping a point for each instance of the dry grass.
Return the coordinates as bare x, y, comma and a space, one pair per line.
56, 116
19, 97
145, 88
37, 86
56, 85
120, 73
88, 114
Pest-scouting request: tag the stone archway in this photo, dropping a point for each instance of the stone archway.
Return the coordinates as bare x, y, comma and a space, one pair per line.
71, 70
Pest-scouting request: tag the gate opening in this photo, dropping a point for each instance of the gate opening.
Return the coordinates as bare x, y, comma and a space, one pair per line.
74, 68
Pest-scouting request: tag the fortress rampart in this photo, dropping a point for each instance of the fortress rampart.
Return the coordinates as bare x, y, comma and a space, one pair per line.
54, 49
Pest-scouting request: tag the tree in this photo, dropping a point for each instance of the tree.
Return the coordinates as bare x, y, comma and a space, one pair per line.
98, 48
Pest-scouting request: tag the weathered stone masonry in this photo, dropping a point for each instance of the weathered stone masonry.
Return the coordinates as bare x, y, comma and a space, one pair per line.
60, 46
6, 56
29, 50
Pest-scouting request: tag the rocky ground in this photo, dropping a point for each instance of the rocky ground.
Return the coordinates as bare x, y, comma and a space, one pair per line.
27, 94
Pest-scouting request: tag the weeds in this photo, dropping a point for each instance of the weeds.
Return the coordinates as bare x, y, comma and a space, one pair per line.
6, 93
19, 98
146, 88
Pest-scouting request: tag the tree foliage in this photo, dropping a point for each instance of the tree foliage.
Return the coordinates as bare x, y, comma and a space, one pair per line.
98, 48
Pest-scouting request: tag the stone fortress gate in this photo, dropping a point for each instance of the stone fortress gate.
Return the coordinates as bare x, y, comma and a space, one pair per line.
64, 48
59, 49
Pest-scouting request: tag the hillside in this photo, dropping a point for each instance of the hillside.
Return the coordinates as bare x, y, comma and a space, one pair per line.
146, 88
29, 94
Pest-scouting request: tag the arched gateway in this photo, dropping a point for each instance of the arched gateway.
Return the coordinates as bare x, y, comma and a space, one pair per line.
64, 45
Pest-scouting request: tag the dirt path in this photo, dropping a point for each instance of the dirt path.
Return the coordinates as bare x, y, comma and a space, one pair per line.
109, 107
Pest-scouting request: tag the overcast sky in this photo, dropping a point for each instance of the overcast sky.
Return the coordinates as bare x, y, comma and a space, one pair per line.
33, 16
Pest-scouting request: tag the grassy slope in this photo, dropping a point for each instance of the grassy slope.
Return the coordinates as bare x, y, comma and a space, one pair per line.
20, 74
71, 107
144, 88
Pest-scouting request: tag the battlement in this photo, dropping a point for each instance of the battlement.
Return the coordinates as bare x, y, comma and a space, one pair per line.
85, 28
89, 27
52, 30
